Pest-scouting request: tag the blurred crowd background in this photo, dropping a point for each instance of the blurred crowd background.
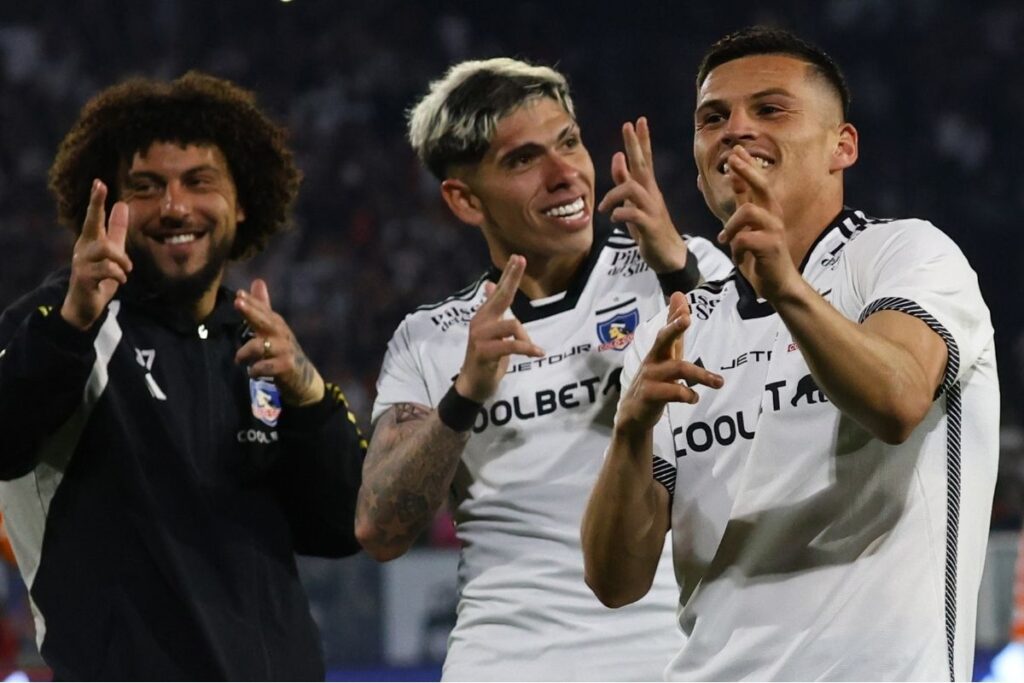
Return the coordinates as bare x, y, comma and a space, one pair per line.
938, 98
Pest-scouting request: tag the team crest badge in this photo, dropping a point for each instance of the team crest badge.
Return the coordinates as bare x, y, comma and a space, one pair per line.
266, 401
617, 332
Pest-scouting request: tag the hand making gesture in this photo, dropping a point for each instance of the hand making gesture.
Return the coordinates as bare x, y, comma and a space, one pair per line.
638, 202
756, 231
99, 264
658, 379
274, 352
493, 337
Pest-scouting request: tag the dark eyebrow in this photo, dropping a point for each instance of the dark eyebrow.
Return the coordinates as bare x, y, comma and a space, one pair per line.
720, 104
153, 175
527, 148
536, 147
570, 130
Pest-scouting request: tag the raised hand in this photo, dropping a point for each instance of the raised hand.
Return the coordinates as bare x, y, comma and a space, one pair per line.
493, 337
637, 201
100, 264
756, 231
274, 352
658, 380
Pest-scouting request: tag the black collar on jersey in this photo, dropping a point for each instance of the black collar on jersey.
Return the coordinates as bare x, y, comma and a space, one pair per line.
180, 320
748, 305
525, 312
844, 213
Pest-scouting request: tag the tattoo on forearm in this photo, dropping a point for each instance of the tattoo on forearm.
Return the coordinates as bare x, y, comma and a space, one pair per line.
302, 365
409, 469
407, 412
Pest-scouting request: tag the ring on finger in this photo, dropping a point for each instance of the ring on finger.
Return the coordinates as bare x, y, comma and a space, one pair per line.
266, 347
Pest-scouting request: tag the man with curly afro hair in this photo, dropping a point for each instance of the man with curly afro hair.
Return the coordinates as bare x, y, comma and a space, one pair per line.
168, 445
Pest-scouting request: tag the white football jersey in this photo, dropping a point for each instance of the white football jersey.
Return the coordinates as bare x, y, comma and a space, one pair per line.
532, 459
805, 548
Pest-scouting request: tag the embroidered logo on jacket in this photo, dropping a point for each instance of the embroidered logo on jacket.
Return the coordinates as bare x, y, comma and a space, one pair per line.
266, 401
617, 332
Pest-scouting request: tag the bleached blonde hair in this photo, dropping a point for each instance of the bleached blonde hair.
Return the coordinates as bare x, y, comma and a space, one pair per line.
454, 122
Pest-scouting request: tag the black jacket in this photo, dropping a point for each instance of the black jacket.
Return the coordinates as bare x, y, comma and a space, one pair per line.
155, 517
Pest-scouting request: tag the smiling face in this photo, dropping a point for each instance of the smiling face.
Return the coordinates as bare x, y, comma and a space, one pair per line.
533, 192
184, 216
789, 119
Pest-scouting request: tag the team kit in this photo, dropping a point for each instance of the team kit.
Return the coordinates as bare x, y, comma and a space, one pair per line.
770, 458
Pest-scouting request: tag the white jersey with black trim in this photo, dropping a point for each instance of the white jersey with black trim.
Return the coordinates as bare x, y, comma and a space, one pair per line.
532, 459
805, 548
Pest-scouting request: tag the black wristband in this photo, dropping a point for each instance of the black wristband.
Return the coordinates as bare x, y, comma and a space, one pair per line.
457, 412
682, 280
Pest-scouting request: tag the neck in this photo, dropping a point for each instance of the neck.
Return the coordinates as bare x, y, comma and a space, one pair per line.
204, 306
545, 276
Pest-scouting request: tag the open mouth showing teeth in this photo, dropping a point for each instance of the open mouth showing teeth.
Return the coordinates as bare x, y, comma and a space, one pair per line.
179, 238
571, 210
761, 161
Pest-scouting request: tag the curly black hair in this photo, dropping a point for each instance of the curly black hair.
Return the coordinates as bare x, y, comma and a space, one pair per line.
194, 109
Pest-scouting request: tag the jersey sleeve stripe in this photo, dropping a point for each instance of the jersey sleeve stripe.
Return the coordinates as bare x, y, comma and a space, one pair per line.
665, 474
911, 308
953, 417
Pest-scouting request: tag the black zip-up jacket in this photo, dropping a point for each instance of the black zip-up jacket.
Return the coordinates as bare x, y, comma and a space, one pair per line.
154, 505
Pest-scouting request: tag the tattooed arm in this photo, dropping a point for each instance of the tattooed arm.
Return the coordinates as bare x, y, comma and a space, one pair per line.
413, 454
408, 470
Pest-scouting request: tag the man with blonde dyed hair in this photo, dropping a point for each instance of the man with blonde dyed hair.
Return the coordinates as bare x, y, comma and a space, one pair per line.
536, 360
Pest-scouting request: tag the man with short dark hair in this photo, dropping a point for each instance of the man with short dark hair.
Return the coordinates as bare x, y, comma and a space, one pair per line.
829, 497
168, 445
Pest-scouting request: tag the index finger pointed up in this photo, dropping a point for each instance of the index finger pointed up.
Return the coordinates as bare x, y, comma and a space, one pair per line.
505, 291
668, 342
743, 167
95, 215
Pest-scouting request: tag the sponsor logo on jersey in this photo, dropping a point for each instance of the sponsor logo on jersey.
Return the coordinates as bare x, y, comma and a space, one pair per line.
702, 304
547, 361
627, 263
617, 332
266, 401
455, 315
699, 436
572, 396
256, 436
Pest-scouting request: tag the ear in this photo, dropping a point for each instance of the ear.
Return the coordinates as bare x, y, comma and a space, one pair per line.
845, 153
239, 213
700, 182
463, 202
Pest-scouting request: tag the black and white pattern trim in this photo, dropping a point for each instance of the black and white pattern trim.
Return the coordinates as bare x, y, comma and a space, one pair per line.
911, 308
953, 417
665, 474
